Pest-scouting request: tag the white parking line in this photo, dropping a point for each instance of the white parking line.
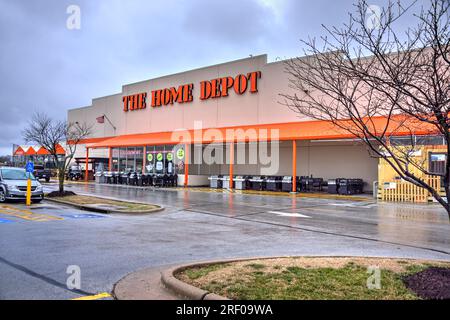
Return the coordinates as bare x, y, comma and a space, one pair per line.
289, 214
353, 205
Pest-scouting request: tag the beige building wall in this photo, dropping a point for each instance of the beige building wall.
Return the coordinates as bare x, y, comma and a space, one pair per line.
326, 160
234, 110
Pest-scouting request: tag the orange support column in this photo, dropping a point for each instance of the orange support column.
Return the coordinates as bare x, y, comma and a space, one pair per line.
186, 165
86, 170
294, 166
144, 160
231, 163
110, 159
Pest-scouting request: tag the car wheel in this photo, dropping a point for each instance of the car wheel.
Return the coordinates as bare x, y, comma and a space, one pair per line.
2, 196
47, 179
37, 201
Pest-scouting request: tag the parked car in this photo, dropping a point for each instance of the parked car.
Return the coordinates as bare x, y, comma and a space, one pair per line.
74, 173
41, 173
13, 185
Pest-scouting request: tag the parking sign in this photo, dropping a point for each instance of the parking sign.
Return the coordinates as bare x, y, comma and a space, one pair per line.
29, 167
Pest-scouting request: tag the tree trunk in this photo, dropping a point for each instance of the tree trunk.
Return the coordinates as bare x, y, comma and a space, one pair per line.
61, 176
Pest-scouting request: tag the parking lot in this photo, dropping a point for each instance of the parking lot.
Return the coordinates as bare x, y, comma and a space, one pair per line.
37, 245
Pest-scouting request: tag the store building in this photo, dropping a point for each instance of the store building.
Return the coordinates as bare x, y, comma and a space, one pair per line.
223, 119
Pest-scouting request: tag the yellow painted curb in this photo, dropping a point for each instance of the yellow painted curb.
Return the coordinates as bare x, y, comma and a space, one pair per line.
94, 297
276, 193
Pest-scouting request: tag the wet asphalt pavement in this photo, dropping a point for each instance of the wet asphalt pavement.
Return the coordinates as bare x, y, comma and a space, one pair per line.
38, 245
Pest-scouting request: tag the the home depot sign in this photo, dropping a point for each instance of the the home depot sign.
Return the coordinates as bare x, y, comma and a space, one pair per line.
209, 89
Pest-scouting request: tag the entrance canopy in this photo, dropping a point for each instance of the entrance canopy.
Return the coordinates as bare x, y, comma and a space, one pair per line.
305, 130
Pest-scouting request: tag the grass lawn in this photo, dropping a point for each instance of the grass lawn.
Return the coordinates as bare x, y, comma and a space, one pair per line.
124, 206
306, 278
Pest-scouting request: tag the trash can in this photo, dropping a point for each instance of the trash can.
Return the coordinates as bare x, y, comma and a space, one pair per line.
257, 183
215, 182
286, 184
273, 183
333, 186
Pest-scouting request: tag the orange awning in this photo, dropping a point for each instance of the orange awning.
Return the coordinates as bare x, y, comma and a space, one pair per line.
306, 130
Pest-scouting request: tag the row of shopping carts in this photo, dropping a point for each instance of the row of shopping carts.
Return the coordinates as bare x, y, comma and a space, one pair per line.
133, 178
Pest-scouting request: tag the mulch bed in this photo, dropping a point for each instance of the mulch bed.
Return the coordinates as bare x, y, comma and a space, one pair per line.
432, 283
59, 194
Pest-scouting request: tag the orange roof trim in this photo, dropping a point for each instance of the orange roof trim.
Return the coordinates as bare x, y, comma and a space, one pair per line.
19, 151
30, 152
60, 150
42, 151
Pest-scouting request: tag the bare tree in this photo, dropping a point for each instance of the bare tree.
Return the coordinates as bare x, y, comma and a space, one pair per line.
52, 134
372, 81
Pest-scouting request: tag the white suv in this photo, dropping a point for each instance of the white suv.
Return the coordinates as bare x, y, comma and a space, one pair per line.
13, 185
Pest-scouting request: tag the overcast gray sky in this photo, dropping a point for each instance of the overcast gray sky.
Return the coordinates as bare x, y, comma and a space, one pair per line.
45, 66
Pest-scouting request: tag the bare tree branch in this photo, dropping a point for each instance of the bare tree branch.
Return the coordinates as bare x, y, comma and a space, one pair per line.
378, 83
52, 135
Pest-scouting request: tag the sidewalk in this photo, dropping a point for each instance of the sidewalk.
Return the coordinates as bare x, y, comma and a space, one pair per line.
143, 285
360, 197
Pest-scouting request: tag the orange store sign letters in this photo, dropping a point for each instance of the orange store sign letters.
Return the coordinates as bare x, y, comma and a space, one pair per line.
209, 89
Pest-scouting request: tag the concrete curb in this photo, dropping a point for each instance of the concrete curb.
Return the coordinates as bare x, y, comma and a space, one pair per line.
190, 292
179, 287
100, 210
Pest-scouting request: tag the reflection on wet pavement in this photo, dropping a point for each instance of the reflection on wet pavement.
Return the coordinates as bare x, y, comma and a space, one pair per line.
418, 225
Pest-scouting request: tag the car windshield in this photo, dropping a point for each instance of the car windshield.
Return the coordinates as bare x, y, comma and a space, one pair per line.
14, 174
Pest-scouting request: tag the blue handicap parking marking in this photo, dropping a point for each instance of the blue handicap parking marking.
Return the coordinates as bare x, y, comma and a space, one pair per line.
5, 221
82, 216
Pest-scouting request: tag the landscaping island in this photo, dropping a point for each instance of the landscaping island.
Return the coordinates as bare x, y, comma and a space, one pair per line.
307, 278
103, 205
